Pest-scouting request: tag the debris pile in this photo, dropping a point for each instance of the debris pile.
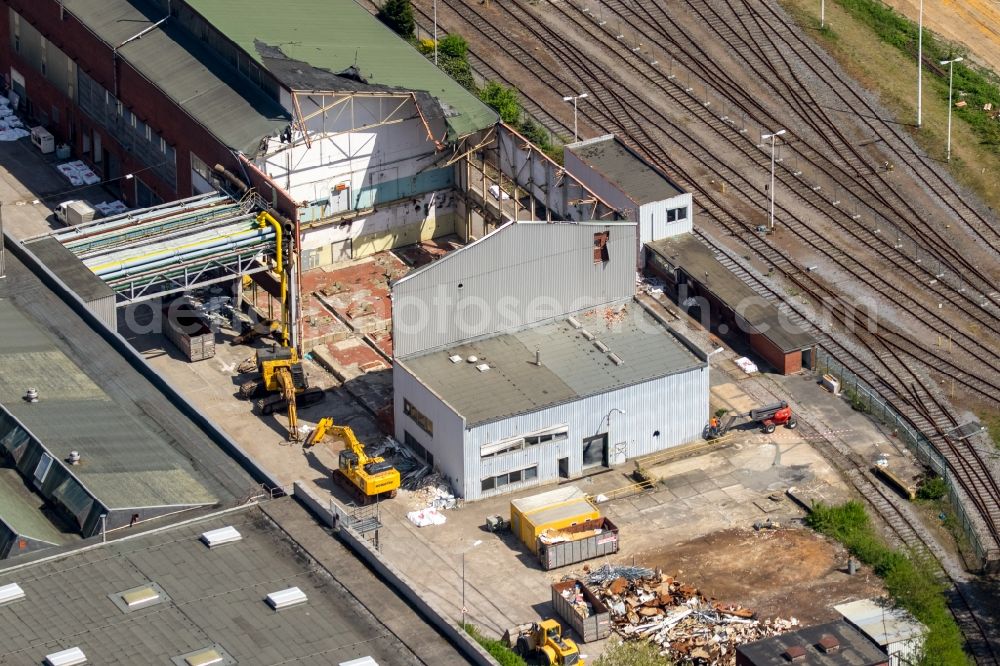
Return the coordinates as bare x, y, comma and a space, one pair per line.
577, 601
688, 627
413, 473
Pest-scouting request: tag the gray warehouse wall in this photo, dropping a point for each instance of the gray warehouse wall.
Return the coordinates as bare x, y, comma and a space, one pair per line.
676, 406
520, 274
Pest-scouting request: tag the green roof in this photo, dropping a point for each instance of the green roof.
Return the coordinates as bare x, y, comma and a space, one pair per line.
336, 34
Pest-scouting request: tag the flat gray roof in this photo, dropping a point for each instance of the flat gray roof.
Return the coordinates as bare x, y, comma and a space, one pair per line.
232, 109
214, 597
643, 182
138, 449
71, 269
125, 463
573, 367
854, 648
699, 263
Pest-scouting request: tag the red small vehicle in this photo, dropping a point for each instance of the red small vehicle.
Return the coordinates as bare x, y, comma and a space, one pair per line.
768, 417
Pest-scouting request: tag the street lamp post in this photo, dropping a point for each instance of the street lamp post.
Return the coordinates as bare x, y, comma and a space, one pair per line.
822, 14
3, 249
474, 544
435, 33
765, 137
574, 98
920, 64
951, 72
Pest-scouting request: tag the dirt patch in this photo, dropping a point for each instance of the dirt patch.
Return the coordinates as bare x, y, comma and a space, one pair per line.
778, 573
974, 23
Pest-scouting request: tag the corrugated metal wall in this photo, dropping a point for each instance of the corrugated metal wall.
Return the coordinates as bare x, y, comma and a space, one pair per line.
675, 406
449, 427
653, 218
520, 274
105, 309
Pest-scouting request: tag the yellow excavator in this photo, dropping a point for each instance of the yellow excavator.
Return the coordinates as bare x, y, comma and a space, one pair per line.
279, 366
281, 373
367, 477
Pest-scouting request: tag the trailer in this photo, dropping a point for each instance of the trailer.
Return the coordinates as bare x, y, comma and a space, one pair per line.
576, 543
582, 610
189, 329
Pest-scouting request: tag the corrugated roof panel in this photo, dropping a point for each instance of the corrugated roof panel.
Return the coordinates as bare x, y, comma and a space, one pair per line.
337, 34
232, 109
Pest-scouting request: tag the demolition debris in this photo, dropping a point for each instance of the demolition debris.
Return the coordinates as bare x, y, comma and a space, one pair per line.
688, 627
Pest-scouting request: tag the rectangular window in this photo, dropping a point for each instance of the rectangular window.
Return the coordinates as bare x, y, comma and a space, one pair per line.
601, 246
418, 448
425, 423
501, 480
552, 434
677, 214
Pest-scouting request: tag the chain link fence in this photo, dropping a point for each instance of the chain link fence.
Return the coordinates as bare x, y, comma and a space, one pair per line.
866, 399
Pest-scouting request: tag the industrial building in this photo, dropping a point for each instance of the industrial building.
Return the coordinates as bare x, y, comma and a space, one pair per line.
831, 644
335, 120
711, 293
624, 180
261, 584
893, 629
87, 443
523, 358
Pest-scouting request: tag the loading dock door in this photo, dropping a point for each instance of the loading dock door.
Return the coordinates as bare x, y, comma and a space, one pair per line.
595, 451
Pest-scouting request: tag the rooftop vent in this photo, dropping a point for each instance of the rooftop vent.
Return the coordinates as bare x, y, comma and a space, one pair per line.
213, 538
587, 334
574, 322
472, 359
363, 661
144, 596
282, 599
10, 593
68, 657
455, 358
828, 643
795, 653
74, 458
600, 345
31, 395
211, 655
204, 658
616, 359
483, 367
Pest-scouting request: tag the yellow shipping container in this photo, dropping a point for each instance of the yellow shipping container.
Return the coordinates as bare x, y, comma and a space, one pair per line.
556, 509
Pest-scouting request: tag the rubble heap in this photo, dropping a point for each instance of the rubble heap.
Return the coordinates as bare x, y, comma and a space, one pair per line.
688, 627
413, 473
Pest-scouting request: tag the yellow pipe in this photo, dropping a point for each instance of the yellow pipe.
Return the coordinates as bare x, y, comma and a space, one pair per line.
263, 219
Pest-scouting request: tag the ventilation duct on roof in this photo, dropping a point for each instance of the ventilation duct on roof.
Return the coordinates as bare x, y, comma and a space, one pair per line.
10, 593
574, 322
587, 334
600, 345
69, 657
616, 359
213, 538
483, 367
455, 358
282, 599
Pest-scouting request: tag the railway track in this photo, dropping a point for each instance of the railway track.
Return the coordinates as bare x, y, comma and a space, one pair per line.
619, 112
878, 358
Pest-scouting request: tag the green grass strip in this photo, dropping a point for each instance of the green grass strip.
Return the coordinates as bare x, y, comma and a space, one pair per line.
912, 580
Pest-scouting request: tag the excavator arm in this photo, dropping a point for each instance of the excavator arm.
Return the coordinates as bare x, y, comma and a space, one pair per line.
284, 377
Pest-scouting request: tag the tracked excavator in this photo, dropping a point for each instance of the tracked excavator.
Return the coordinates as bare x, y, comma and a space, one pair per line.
278, 366
366, 477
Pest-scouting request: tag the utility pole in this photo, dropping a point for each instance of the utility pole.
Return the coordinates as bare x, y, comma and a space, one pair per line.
764, 137
951, 74
435, 33
574, 98
920, 64
3, 248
